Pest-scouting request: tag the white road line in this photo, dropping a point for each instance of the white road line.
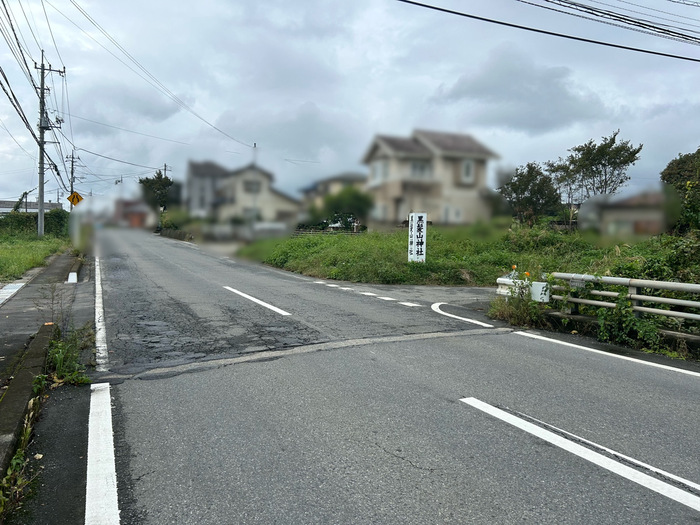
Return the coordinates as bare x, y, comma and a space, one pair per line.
436, 308
258, 301
346, 289
101, 503
319, 282
608, 354
410, 304
9, 290
369, 294
101, 355
652, 483
386, 298
333, 285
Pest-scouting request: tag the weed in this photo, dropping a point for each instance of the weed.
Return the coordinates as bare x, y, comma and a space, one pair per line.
63, 362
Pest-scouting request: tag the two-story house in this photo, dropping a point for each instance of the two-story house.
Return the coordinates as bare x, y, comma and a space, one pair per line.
244, 194
247, 194
443, 174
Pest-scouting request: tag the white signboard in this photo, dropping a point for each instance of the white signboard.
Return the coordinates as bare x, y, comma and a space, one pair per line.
417, 225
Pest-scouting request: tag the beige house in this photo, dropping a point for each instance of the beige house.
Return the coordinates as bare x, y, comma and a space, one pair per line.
314, 195
443, 174
247, 194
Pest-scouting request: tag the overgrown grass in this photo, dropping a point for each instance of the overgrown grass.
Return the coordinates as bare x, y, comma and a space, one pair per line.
22, 252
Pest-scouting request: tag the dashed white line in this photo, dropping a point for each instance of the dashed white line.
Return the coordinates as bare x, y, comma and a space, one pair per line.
346, 289
652, 483
410, 304
257, 301
333, 285
386, 298
101, 502
369, 294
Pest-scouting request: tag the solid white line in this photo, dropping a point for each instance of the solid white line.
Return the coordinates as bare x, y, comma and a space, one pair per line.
386, 298
436, 308
410, 304
258, 301
696, 486
608, 354
674, 493
101, 502
101, 355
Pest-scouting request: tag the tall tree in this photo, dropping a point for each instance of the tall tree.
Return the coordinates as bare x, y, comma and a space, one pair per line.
155, 190
595, 169
531, 193
683, 173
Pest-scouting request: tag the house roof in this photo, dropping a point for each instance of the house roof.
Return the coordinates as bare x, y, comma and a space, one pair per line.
206, 169
424, 144
252, 167
453, 143
340, 177
641, 200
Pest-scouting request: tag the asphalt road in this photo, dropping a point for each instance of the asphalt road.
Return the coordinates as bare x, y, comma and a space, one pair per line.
348, 403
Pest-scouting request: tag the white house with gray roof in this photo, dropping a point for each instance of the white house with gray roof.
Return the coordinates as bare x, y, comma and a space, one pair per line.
443, 174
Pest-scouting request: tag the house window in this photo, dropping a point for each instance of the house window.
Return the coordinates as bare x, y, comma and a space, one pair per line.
468, 175
380, 171
251, 186
421, 169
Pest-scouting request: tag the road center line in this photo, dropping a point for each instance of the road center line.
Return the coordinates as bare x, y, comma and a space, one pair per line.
608, 354
649, 482
101, 503
257, 301
101, 353
436, 308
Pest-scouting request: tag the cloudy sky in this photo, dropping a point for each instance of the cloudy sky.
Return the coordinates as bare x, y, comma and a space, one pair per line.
310, 82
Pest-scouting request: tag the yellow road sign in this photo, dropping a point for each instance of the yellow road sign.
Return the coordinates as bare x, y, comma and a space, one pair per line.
74, 198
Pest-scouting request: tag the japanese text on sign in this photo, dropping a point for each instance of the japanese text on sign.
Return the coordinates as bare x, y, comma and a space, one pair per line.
417, 224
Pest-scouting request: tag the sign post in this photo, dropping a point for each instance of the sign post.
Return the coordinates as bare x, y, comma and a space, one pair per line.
417, 229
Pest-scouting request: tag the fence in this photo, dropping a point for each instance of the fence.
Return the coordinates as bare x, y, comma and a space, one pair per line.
634, 293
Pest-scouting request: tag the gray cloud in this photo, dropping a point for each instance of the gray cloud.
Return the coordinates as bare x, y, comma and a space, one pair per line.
512, 91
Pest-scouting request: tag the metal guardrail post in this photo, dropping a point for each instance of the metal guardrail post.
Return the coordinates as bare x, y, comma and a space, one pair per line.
635, 290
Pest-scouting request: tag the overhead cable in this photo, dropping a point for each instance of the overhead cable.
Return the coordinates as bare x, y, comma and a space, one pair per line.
545, 32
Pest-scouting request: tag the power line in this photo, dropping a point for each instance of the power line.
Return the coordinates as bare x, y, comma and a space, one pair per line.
685, 2
116, 160
127, 130
618, 20
160, 86
544, 32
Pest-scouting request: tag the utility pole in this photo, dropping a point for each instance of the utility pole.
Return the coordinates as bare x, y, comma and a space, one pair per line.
44, 124
72, 175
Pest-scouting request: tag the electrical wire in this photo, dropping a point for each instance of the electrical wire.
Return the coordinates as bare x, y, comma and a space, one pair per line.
116, 160
545, 32
160, 86
129, 130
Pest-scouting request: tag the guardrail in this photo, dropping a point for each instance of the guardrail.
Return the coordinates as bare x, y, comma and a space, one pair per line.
634, 289
634, 293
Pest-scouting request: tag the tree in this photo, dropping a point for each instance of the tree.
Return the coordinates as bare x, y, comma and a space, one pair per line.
155, 190
531, 193
347, 206
683, 173
595, 169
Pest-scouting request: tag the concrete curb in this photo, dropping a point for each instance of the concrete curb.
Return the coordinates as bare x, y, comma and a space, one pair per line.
19, 392
74, 271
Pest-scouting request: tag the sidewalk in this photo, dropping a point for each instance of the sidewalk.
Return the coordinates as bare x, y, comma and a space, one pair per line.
41, 296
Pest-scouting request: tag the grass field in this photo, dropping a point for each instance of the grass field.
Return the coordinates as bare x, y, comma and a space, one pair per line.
19, 253
477, 256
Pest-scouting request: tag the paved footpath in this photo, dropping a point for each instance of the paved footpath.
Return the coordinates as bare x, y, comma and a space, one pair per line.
41, 296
